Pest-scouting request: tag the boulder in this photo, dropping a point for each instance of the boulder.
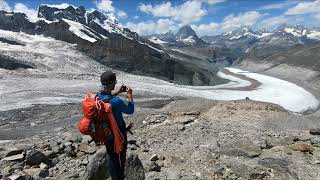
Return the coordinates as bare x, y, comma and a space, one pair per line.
97, 167
134, 168
35, 157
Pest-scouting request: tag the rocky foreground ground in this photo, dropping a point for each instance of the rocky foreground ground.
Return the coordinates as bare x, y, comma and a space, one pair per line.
182, 138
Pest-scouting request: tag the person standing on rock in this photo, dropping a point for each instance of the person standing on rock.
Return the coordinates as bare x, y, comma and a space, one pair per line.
116, 162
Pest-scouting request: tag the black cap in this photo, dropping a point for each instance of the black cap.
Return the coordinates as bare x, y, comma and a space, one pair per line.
107, 77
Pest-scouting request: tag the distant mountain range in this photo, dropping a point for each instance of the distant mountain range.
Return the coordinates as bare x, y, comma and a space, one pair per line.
182, 57
103, 38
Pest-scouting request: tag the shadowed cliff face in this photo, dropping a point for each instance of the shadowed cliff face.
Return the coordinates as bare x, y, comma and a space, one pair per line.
16, 22
12, 64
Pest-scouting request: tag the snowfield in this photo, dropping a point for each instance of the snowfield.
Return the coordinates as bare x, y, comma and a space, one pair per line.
64, 75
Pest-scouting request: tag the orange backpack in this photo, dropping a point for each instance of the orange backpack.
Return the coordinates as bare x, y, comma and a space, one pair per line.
98, 122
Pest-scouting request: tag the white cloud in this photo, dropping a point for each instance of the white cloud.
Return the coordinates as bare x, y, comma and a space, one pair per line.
32, 14
105, 5
4, 6
281, 5
273, 22
232, 22
160, 10
151, 27
206, 29
213, 1
136, 17
122, 14
305, 8
188, 12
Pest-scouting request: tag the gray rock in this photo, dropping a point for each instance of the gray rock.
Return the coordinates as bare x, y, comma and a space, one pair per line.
57, 147
15, 177
76, 147
97, 167
218, 170
6, 171
13, 151
315, 141
278, 141
134, 168
280, 165
241, 148
84, 162
17, 157
18, 166
50, 154
37, 173
35, 157
154, 157
54, 161
44, 166
87, 148
315, 131
152, 166
67, 144
69, 151
86, 140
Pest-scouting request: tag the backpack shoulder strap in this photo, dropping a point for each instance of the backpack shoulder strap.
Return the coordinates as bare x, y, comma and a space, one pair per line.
104, 100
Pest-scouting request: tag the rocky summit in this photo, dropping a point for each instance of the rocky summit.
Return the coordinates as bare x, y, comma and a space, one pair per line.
208, 139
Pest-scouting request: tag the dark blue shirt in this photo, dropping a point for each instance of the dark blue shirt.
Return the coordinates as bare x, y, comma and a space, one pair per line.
118, 107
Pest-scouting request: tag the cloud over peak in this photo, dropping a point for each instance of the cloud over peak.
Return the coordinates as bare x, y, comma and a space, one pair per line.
105, 5
305, 8
188, 12
4, 6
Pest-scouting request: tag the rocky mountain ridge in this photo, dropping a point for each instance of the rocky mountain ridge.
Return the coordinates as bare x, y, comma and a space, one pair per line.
100, 36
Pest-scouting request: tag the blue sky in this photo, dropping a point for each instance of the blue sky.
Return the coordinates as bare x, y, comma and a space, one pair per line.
207, 17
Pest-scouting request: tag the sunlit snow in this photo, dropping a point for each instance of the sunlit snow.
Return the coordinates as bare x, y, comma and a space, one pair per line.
78, 29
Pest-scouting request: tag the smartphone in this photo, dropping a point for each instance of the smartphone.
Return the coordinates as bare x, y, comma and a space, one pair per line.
123, 88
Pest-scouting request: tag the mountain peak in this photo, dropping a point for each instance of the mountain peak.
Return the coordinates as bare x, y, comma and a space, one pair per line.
185, 32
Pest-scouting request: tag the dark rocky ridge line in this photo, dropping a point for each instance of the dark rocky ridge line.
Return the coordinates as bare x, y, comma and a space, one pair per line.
4, 40
12, 64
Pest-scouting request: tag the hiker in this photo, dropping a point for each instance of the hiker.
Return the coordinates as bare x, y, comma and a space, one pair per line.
116, 161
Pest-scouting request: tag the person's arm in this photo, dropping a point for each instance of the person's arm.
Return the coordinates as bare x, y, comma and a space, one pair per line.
128, 109
121, 90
